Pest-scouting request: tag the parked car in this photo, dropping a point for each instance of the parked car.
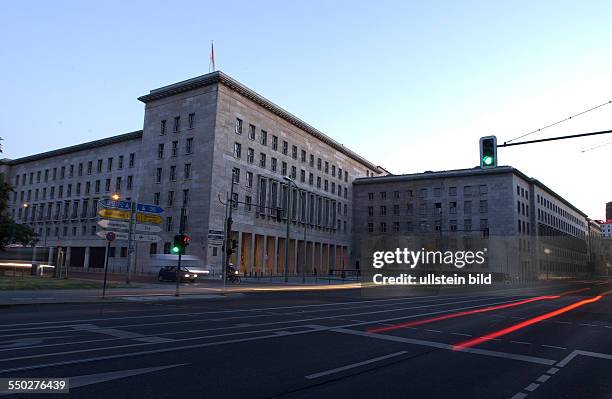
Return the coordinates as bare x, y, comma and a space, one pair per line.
201, 271
168, 273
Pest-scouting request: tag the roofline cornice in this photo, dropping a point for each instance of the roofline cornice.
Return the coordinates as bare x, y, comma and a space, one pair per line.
220, 77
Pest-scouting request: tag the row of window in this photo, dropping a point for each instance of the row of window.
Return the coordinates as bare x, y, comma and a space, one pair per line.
426, 226
320, 184
175, 148
295, 152
560, 211
86, 187
468, 191
60, 210
71, 170
172, 175
171, 198
437, 208
176, 125
559, 223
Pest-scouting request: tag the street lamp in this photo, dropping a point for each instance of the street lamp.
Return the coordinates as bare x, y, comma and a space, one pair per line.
290, 182
116, 196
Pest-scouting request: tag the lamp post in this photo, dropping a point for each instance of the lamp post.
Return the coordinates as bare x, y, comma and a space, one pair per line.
290, 182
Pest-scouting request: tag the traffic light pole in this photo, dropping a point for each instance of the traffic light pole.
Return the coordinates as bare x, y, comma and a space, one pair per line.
228, 231
131, 243
180, 254
288, 224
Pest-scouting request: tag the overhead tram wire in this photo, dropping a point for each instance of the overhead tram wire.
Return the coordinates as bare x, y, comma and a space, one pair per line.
558, 122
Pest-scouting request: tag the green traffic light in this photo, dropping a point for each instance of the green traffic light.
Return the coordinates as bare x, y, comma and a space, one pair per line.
175, 249
487, 160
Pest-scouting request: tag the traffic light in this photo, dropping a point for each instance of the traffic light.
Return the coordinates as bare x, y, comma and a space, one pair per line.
488, 152
232, 248
180, 243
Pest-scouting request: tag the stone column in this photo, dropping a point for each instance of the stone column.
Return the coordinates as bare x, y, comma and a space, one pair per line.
86, 262
252, 253
275, 255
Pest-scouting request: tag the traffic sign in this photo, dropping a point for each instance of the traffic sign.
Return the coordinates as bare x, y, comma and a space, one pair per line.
110, 236
118, 235
148, 228
147, 208
146, 237
114, 214
109, 203
146, 218
216, 232
113, 224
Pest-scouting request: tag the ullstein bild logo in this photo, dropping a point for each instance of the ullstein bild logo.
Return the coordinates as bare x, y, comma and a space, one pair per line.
411, 259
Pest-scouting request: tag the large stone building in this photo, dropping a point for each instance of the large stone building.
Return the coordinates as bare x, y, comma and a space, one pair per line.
530, 231
196, 135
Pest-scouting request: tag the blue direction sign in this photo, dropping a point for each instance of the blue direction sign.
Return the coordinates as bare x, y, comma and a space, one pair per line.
147, 208
109, 203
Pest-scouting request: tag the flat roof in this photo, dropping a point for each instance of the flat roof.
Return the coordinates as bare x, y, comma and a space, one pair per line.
220, 77
75, 148
476, 171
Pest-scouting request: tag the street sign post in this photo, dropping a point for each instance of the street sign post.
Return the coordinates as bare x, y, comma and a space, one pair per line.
148, 228
146, 237
147, 208
113, 224
147, 218
110, 237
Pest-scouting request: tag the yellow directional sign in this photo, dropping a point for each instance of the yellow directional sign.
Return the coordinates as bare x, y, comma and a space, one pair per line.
147, 218
114, 214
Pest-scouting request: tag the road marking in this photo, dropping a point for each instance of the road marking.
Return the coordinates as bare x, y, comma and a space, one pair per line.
462, 334
440, 345
519, 395
554, 347
353, 365
552, 370
521, 342
543, 378
532, 387
89, 379
121, 333
154, 351
434, 331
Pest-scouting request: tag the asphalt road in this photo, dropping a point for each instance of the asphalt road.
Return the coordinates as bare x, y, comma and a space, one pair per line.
507, 343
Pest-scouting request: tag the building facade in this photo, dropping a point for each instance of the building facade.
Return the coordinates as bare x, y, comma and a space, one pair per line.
197, 134
530, 232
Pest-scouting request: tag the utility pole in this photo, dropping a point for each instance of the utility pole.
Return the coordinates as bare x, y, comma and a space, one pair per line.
290, 181
228, 230
180, 254
130, 242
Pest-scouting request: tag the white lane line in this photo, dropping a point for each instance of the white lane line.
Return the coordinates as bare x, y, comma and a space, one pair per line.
519, 395
543, 378
434, 331
41, 323
462, 334
154, 351
353, 365
554, 347
409, 301
588, 325
552, 370
562, 322
521, 342
532, 387
121, 333
441, 345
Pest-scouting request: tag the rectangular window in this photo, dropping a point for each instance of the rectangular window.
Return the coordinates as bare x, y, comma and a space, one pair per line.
311, 162
131, 161
160, 151
191, 120
237, 150
177, 124
158, 175
168, 223
187, 171
294, 152
156, 197
251, 132
172, 172
107, 185
484, 208
249, 179
170, 198
326, 167
89, 168
275, 143
185, 197
238, 126
188, 145
162, 127
250, 155
284, 169
303, 156
263, 139
273, 166
236, 175
129, 182
248, 201
262, 160
285, 148
174, 148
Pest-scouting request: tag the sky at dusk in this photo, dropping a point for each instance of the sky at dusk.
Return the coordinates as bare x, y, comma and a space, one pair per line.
410, 86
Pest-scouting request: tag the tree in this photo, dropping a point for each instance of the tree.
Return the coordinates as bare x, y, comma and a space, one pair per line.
11, 232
